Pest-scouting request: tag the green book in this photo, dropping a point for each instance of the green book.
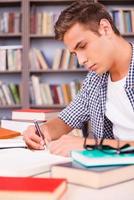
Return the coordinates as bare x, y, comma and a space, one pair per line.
95, 157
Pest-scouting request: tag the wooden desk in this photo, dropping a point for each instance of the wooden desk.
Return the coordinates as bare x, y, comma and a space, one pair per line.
122, 191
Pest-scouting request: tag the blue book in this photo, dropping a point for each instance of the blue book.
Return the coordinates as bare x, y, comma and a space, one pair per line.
95, 157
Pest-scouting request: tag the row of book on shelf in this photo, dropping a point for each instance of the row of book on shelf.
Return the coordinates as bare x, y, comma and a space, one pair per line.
42, 22
11, 59
9, 94
40, 93
124, 19
10, 22
63, 60
49, 94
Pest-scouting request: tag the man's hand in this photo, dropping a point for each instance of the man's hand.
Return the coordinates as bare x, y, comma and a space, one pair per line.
32, 140
65, 144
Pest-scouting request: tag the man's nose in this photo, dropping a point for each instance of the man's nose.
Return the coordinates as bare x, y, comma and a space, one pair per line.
82, 59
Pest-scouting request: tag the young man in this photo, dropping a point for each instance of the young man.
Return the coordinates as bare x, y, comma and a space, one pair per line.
107, 95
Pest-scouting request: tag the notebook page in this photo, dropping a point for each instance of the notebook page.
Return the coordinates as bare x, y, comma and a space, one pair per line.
13, 142
25, 162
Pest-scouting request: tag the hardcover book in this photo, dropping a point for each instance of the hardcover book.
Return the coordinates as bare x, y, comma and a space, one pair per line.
90, 158
7, 133
95, 177
22, 188
32, 114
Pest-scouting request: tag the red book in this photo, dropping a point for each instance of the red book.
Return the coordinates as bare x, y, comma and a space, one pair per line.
34, 114
12, 188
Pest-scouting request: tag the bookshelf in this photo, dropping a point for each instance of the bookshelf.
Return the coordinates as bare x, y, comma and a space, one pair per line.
44, 41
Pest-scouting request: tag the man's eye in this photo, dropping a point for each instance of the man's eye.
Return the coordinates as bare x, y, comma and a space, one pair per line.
82, 46
74, 54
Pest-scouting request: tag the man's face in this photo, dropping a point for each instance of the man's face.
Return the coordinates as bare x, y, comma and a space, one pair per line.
93, 51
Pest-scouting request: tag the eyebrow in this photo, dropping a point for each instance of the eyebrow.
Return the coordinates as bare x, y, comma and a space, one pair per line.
76, 46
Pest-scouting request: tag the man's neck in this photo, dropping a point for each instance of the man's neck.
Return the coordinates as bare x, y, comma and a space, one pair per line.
122, 60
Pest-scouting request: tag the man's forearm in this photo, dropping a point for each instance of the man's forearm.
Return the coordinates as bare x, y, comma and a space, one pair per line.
56, 128
111, 142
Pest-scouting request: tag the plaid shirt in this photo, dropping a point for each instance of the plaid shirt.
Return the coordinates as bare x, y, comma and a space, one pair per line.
90, 103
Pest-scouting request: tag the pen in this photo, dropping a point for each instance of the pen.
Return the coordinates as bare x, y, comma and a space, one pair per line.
38, 130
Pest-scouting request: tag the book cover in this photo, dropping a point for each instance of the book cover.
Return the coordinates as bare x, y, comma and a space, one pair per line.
95, 177
7, 133
16, 125
95, 157
32, 188
32, 114
42, 62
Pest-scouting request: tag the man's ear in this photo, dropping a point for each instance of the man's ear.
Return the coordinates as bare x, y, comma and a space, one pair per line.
105, 27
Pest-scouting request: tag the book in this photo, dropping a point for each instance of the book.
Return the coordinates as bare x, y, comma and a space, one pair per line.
95, 177
7, 133
32, 188
95, 157
16, 125
32, 114
22, 162
42, 62
15, 142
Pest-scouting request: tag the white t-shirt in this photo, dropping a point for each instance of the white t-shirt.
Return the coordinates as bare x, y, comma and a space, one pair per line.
119, 110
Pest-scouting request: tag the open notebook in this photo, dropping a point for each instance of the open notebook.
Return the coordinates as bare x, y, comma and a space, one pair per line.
25, 162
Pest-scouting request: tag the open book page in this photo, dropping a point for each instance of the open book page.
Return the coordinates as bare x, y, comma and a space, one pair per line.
13, 142
26, 162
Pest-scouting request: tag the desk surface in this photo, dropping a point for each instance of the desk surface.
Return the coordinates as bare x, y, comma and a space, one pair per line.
123, 191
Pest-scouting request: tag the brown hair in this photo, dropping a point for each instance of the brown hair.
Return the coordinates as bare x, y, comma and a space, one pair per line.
84, 12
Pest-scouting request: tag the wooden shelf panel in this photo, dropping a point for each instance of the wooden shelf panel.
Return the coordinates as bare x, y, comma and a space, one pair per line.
60, 71
57, 106
10, 3
128, 34
10, 35
10, 106
38, 36
51, 2
10, 72
116, 2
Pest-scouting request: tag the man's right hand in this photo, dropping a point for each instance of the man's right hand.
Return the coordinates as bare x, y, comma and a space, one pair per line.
32, 140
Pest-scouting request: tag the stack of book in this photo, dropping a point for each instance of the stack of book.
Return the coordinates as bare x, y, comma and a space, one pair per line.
96, 169
22, 118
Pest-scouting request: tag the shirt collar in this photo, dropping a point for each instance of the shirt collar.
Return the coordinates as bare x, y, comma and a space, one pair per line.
130, 77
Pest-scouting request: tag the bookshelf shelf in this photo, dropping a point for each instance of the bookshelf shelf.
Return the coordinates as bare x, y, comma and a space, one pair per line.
56, 106
41, 36
10, 106
10, 1
60, 71
10, 35
128, 34
10, 72
51, 1
116, 2
46, 43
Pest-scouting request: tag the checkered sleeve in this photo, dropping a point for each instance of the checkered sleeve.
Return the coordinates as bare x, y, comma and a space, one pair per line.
78, 110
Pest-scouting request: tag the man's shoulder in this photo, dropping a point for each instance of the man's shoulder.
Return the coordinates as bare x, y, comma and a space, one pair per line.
93, 77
